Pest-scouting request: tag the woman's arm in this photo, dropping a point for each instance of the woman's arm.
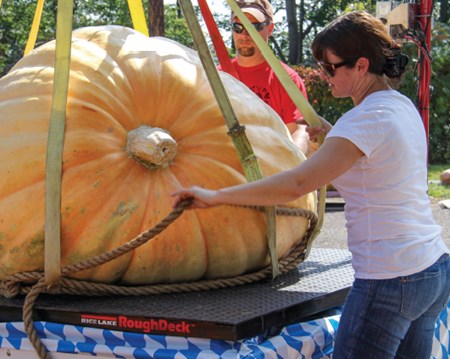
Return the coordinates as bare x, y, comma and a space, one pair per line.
333, 158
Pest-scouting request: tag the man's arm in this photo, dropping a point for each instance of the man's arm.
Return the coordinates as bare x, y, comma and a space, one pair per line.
300, 136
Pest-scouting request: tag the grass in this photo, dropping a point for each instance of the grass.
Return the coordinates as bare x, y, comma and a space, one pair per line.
436, 189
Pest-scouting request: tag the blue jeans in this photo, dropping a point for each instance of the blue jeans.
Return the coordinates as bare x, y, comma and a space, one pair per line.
393, 318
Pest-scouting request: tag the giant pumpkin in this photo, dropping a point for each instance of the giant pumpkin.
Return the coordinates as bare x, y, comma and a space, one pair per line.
141, 121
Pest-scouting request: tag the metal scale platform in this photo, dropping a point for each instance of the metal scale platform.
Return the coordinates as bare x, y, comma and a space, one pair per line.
319, 283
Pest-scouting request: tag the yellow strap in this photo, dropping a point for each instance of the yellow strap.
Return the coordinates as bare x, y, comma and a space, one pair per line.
55, 143
294, 93
34, 27
138, 16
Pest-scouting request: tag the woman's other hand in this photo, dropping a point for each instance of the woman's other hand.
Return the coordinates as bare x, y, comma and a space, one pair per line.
315, 132
202, 198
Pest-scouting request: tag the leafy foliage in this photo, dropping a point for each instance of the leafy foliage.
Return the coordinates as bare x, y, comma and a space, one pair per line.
101, 12
176, 27
15, 22
439, 108
16, 18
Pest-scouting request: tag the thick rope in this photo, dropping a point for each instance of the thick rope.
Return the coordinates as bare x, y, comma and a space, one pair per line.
28, 320
33, 283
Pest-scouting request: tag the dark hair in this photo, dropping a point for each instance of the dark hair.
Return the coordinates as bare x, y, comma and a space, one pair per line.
359, 34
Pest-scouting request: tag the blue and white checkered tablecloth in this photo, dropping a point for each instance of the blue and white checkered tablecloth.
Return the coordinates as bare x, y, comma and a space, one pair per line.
311, 339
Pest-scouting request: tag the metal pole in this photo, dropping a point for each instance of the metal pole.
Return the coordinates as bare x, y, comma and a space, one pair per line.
424, 17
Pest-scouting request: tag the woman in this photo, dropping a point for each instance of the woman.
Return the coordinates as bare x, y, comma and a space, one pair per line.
376, 156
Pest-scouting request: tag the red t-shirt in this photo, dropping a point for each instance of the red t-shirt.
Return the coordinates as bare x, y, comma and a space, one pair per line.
262, 81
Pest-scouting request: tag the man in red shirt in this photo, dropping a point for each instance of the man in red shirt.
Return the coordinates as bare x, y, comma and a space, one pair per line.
254, 71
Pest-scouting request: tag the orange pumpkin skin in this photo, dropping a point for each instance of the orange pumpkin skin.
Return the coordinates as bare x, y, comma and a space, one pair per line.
119, 81
445, 177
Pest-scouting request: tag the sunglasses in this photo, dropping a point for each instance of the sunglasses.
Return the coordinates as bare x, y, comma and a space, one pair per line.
239, 28
330, 69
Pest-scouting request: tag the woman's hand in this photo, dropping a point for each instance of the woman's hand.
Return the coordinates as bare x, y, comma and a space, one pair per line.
202, 198
315, 132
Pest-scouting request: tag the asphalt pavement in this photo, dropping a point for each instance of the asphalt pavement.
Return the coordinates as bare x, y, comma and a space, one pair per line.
334, 234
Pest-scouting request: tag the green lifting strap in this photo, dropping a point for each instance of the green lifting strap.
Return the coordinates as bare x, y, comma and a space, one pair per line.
55, 143
294, 93
237, 132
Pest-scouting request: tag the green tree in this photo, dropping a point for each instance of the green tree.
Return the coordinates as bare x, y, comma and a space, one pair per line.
16, 18
15, 23
101, 12
444, 12
176, 26
303, 19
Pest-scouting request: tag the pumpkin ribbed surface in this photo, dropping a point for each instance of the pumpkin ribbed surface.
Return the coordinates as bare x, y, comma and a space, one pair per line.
141, 121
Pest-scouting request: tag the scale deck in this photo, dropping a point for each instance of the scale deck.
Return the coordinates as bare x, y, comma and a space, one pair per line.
319, 283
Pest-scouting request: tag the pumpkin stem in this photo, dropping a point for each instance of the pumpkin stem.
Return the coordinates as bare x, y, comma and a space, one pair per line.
153, 147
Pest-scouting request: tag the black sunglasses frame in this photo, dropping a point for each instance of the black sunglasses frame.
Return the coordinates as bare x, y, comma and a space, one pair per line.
239, 28
330, 69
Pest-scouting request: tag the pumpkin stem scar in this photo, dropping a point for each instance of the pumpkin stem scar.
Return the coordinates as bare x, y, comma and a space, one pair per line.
152, 147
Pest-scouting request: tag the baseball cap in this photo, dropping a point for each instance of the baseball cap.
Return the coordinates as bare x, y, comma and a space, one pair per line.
260, 9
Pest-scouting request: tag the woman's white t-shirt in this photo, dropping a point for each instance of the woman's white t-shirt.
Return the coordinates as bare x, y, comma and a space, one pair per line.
391, 230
